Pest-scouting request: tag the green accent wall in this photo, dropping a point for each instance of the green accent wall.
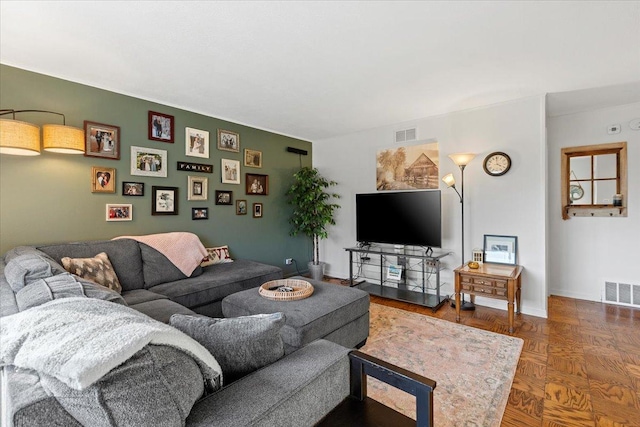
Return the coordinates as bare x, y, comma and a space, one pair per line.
48, 198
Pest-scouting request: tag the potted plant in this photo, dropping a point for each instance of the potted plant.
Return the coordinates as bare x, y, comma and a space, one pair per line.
313, 211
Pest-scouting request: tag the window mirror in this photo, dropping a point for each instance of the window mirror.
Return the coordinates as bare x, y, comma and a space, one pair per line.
594, 180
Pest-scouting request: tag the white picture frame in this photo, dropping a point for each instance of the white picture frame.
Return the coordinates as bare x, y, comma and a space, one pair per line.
230, 171
149, 162
394, 272
119, 212
197, 188
196, 143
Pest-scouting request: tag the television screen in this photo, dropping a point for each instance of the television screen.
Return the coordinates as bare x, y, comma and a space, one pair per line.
401, 218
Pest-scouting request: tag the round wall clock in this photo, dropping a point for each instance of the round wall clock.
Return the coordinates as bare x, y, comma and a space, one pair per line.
497, 163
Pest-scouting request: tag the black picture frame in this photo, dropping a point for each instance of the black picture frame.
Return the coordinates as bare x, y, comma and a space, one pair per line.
133, 189
164, 200
199, 213
500, 249
224, 197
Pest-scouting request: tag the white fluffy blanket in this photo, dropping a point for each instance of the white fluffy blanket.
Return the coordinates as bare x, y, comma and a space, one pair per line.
184, 250
79, 340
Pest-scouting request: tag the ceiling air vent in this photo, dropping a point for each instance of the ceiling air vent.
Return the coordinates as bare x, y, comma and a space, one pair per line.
406, 135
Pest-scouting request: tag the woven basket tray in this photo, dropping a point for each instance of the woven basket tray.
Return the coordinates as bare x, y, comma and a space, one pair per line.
300, 289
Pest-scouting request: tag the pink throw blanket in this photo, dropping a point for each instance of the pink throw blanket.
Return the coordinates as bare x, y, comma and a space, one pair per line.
183, 249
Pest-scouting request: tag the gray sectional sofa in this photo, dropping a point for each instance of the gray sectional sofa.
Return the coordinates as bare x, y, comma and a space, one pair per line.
296, 390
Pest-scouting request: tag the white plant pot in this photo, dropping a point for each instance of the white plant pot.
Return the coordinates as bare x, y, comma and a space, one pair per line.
316, 271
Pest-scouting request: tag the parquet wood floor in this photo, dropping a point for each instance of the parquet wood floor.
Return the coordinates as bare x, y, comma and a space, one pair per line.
578, 367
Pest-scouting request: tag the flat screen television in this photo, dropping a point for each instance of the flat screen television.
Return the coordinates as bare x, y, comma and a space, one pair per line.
401, 218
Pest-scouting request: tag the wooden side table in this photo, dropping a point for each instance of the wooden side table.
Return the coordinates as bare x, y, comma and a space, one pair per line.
490, 280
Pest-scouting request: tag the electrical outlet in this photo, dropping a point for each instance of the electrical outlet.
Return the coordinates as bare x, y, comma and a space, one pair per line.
288, 261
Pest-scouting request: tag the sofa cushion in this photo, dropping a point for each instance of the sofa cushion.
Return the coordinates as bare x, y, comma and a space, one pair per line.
157, 268
297, 390
240, 345
218, 281
157, 386
97, 269
124, 255
138, 296
26, 268
62, 286
161, 309
217, 255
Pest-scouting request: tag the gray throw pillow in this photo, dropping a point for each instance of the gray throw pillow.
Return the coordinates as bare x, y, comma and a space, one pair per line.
23, 269
62, 286
240, 344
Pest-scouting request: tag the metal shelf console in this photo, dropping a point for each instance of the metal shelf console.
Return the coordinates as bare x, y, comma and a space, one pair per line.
426, 260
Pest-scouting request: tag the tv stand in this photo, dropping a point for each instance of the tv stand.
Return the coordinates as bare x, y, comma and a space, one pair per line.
416, 260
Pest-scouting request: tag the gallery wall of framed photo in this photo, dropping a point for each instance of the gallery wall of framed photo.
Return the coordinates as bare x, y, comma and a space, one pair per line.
148, 168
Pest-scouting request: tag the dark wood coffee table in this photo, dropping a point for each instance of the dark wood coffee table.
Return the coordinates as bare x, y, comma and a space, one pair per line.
359, 410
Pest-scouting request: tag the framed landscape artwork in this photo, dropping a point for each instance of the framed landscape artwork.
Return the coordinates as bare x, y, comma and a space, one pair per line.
101, 140
161, 127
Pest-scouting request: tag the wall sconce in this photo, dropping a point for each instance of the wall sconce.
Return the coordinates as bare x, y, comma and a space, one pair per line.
23, 139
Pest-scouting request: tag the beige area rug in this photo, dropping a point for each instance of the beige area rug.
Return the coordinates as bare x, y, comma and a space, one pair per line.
473, 369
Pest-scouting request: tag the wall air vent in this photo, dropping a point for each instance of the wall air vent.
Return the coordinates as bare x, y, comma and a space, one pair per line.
406, 135
621, 294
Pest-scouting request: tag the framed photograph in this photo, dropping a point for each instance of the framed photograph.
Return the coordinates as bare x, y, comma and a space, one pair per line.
228, 141
394, 272
199, 213
257, 185
119, 212
161, 127
149, 162
224, 197
164, 200
241, 207
133, 188
198, 187
103, 180
257, 210
230, 171
101, 140
196, 143
253, 158
501, 249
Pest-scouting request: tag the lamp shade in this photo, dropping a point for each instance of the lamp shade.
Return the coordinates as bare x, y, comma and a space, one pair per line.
449, 180
462, 159
19, 138
63, 139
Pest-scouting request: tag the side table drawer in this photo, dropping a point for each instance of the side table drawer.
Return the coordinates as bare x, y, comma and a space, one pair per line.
481, 289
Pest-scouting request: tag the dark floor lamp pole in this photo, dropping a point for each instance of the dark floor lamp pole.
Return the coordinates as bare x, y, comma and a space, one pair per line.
461, 160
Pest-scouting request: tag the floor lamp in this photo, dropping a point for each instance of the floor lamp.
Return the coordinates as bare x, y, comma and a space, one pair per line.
462, 160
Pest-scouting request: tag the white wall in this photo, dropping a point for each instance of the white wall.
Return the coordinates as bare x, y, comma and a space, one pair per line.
514, 204
585, 252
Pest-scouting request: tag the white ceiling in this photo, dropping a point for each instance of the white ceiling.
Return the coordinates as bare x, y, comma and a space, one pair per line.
314, 70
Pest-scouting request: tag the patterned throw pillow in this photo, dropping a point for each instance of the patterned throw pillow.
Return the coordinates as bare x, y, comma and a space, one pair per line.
218, 255
97, 269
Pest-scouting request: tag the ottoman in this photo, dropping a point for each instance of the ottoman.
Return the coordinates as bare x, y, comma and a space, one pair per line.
335, 313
